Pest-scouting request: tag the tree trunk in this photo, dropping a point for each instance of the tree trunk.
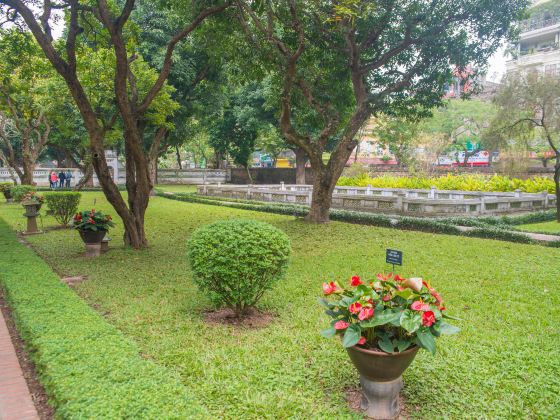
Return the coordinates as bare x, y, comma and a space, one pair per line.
301, 161
557, 185
87, 178
249, 174
321, 199
178, 155
27, 176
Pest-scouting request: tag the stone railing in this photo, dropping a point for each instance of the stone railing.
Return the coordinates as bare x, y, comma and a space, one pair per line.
191, 176
431, 202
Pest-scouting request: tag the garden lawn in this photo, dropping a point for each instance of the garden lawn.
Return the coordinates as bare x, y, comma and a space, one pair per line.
552, 227
504, 363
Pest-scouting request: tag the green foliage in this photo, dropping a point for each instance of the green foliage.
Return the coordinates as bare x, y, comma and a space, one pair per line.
19, 191
6, 186
494, 183
89, 369
236, 261
63, 205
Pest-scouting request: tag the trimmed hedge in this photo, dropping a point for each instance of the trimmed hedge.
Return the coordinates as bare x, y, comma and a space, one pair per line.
63, 204
89, 369
235, 261
499, 231
18, 191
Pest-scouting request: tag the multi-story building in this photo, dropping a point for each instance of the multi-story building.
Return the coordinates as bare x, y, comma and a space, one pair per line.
539, 44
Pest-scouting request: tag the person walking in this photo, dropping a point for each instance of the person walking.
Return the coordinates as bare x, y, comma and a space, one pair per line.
61, 179
53, 179
69, 177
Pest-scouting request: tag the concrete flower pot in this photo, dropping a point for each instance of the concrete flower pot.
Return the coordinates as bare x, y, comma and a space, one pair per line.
31, 208
92, 237
381, 379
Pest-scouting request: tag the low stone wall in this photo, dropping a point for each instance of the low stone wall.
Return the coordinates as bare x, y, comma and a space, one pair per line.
394, 200
41, 176
267, 175
191, 176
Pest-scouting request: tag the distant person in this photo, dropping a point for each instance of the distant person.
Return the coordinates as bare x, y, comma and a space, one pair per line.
61, 179
69, 177
53, 179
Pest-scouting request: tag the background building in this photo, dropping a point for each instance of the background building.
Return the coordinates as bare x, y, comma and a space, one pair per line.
539, 44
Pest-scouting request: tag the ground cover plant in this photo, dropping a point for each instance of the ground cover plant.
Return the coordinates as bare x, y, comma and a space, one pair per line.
89, 369
494, 183
500, 365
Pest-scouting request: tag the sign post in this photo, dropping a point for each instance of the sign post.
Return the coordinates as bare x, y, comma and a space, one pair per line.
393, 257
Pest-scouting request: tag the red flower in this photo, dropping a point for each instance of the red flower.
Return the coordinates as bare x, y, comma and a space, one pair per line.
341, 325
362, 341
356, 281
437, 296
365, 313
329, 288
381, 277
399, 278
428, 319
93, 210
355, 307
91, 221
386, 298
419, 306
78, 217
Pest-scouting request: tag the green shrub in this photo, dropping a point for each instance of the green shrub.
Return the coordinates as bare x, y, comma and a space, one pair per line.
236, 261
4, 186
18, 191
88, 367
63, 205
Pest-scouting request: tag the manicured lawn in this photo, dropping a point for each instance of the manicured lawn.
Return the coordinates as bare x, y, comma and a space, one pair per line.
176, 188
545, 227
504, 363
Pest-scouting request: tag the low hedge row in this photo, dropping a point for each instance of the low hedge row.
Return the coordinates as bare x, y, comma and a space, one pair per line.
442, 226
89, 369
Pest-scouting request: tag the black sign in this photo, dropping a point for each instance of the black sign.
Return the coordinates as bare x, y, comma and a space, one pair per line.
393, 257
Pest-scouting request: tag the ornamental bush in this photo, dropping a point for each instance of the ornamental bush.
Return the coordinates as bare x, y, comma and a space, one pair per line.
63, 205
236, 261
19, 191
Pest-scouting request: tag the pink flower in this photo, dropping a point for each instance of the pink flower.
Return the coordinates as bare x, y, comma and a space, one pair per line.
428, 319
414, 283
386, 298
362, 341
329, 288
356, 281
419, 306
341, 325
365, 313
355, 307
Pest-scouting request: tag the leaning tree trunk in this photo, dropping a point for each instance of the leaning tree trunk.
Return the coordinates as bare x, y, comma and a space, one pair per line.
321, 200
557, 186
301, 161
87, 178
27, 176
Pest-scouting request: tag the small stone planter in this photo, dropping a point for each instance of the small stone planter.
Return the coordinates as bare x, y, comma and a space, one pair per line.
32, 209
8, 196
92, 240
381, 379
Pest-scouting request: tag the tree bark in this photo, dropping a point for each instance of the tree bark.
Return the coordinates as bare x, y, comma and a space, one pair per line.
301, 161
557, 185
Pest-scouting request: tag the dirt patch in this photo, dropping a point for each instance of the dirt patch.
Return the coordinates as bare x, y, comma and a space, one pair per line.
253, 319
354, 398
38, 394
73, 280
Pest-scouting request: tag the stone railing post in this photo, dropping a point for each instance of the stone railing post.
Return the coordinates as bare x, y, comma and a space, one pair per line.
368, 189
482, 204
282, 186
517, 193
309, 197
432, 194
400, 204
249, 192
545, 199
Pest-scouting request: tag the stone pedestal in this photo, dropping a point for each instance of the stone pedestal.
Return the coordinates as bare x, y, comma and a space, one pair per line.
31, 226
105, 244
93, 250
380, 400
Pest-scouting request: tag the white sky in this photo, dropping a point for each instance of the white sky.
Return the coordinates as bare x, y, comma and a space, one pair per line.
497, 66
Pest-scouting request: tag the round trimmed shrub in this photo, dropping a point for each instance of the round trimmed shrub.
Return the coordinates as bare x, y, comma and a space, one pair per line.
63, 205
236, 261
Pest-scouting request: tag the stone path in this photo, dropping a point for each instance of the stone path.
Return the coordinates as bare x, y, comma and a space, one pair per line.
15, 399
542, 237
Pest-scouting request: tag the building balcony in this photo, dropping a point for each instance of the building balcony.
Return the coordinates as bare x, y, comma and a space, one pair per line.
536, 58
533, 25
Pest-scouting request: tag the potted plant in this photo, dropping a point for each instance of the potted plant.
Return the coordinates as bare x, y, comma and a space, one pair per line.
5, 187
32, 203
382, 324
92, 225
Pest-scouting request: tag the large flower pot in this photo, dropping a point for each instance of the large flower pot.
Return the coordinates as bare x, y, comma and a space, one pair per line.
92, 237
31, 208
381, 379
8, 195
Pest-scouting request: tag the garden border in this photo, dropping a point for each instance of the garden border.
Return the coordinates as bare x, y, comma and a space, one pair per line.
88, 367
491, 230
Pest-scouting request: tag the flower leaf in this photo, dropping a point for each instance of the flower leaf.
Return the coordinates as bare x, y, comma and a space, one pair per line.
426, 340
329, 332
445, 328
386, 345
352, 336
410, 320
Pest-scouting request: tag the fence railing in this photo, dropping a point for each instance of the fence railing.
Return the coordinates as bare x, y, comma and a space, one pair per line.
431, 202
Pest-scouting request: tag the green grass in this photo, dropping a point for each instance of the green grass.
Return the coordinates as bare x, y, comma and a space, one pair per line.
176, 188
552, 227
504, 363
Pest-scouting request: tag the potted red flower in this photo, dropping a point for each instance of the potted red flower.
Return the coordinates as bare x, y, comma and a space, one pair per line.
32, 203
383, 323
92, 225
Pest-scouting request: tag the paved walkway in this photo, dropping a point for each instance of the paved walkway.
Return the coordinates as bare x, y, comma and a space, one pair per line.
15, 399
541, 237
